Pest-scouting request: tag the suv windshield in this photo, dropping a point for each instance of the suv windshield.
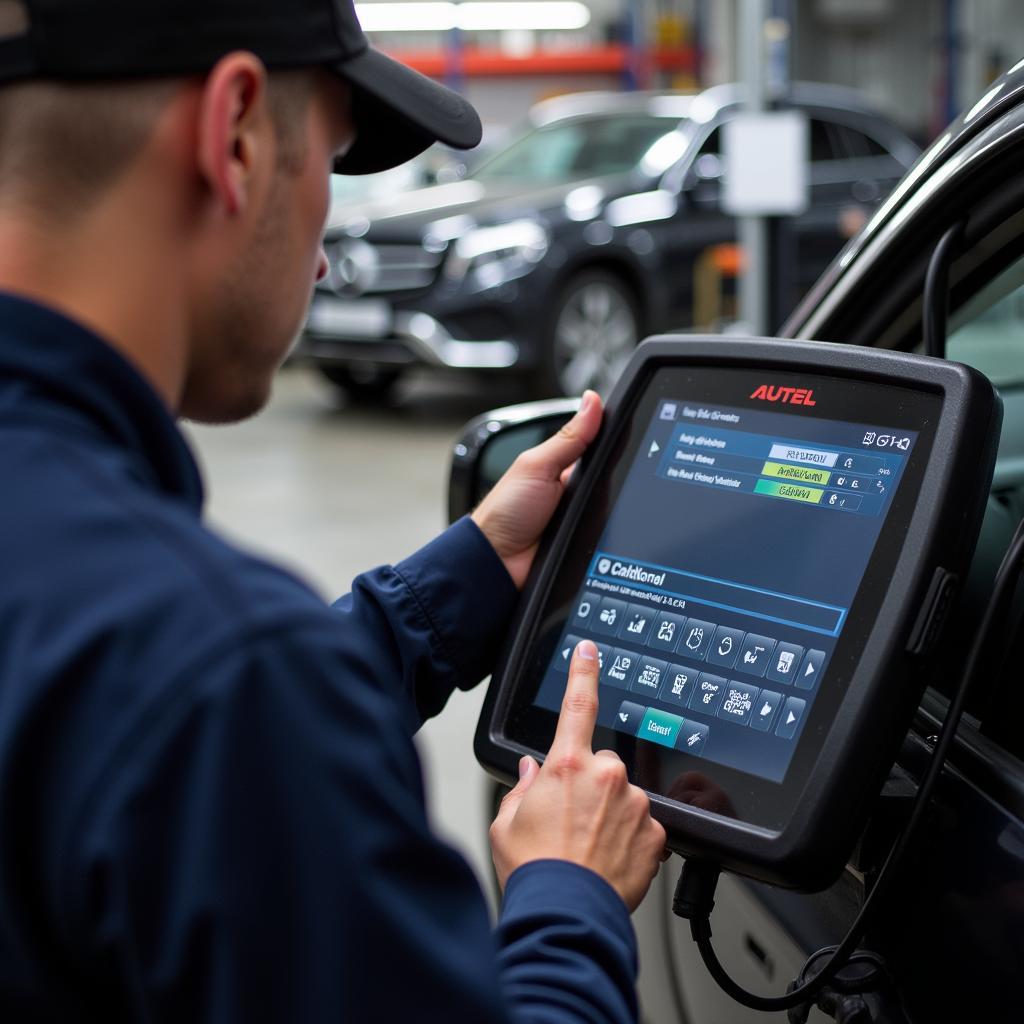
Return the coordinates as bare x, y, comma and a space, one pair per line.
577, 149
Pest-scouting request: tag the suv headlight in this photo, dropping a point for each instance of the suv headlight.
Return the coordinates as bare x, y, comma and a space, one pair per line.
497, 254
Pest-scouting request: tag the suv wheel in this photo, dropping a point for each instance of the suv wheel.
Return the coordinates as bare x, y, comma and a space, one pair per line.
592, 331
362, 383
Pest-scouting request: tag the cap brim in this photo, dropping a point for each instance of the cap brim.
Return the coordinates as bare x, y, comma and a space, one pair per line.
398, 113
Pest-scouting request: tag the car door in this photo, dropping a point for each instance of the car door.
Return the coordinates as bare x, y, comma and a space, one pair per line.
953, 933
960, 912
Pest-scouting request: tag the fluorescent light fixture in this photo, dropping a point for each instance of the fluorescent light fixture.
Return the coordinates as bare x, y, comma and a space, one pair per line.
428, 16
487, 16
473, 16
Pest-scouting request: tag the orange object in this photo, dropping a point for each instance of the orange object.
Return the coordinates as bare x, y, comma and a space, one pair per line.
475, 62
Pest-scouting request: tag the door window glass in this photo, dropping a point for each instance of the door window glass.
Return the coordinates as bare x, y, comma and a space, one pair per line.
823, 144
987, 332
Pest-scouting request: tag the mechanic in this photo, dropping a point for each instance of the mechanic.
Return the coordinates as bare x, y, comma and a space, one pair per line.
210, 804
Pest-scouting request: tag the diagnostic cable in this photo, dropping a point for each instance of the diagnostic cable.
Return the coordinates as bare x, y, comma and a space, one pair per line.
694, 896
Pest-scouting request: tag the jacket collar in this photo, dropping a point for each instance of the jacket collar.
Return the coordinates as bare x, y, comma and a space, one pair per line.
52, 366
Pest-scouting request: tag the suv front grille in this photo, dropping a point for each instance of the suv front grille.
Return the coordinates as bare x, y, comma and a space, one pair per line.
359, 268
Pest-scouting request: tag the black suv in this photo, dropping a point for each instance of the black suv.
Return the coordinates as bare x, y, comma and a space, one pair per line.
558, 252
953, 933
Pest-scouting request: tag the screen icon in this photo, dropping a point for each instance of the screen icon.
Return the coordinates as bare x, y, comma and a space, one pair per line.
738, 703
708, 693
725, 647
695, 638
665, 630
765, 707
693, 736
668, 410
609, 617
621, 666
585, 608
756, 654
649, 676
785, 663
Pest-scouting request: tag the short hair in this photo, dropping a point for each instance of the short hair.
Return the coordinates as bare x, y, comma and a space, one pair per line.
63, 144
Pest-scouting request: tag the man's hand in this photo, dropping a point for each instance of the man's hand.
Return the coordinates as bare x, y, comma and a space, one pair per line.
514, 514
580, 806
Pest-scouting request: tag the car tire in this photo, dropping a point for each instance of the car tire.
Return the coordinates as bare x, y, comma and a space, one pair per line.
591, 332
362, 383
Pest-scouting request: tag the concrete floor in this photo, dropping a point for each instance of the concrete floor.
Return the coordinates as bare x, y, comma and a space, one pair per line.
331, 490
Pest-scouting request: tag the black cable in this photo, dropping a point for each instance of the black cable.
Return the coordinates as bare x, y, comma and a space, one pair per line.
702, 875
936, 291
668, 938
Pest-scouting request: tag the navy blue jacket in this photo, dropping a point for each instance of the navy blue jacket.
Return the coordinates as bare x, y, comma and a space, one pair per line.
211, 809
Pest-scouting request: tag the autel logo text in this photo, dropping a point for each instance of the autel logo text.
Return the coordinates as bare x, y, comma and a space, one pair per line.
777, 393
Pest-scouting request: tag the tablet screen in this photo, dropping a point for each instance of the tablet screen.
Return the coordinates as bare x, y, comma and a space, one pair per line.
722, 581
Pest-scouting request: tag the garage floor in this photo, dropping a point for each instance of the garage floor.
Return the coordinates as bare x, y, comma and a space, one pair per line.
331, 490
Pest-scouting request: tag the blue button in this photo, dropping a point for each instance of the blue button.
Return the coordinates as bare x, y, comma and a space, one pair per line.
628, 717
649, 677
725, 648
756, 653
609, 617
564, 653
707, 694
621, 668
679, 682
660, 727
785, 663
636, 625
665, 631
814, 662
789, 720
604, 658
695, 639
765, 707
738, 702
584, 611
692, 736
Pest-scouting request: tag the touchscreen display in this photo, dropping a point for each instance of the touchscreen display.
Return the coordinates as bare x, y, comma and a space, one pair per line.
723, 579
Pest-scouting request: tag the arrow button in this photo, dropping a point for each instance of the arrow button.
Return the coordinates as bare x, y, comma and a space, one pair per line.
790, 718
629, 717
564, 653
807, 677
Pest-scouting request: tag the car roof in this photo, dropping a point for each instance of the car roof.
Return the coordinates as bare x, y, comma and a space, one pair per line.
1003, 97
702, 107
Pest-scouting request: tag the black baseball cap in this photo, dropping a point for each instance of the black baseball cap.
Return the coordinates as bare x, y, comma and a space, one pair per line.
398, 112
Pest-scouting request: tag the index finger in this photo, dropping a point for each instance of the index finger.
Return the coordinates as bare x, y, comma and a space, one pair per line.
576, 721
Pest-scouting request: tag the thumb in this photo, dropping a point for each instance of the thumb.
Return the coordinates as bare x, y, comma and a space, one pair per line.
552, 457
528, 772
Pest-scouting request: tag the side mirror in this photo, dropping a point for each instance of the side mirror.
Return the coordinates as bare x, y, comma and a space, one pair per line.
489, 444
702, 184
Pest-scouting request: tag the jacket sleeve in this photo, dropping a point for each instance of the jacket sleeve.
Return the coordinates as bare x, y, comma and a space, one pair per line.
264, 855
567, 947
430, 624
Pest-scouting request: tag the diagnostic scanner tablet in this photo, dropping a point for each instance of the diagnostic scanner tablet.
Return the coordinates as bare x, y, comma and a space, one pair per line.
764, 543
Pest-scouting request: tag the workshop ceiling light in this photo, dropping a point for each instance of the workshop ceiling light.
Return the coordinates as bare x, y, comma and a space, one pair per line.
473, 16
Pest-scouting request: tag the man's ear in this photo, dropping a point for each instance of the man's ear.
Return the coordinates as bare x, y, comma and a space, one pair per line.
232, 129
